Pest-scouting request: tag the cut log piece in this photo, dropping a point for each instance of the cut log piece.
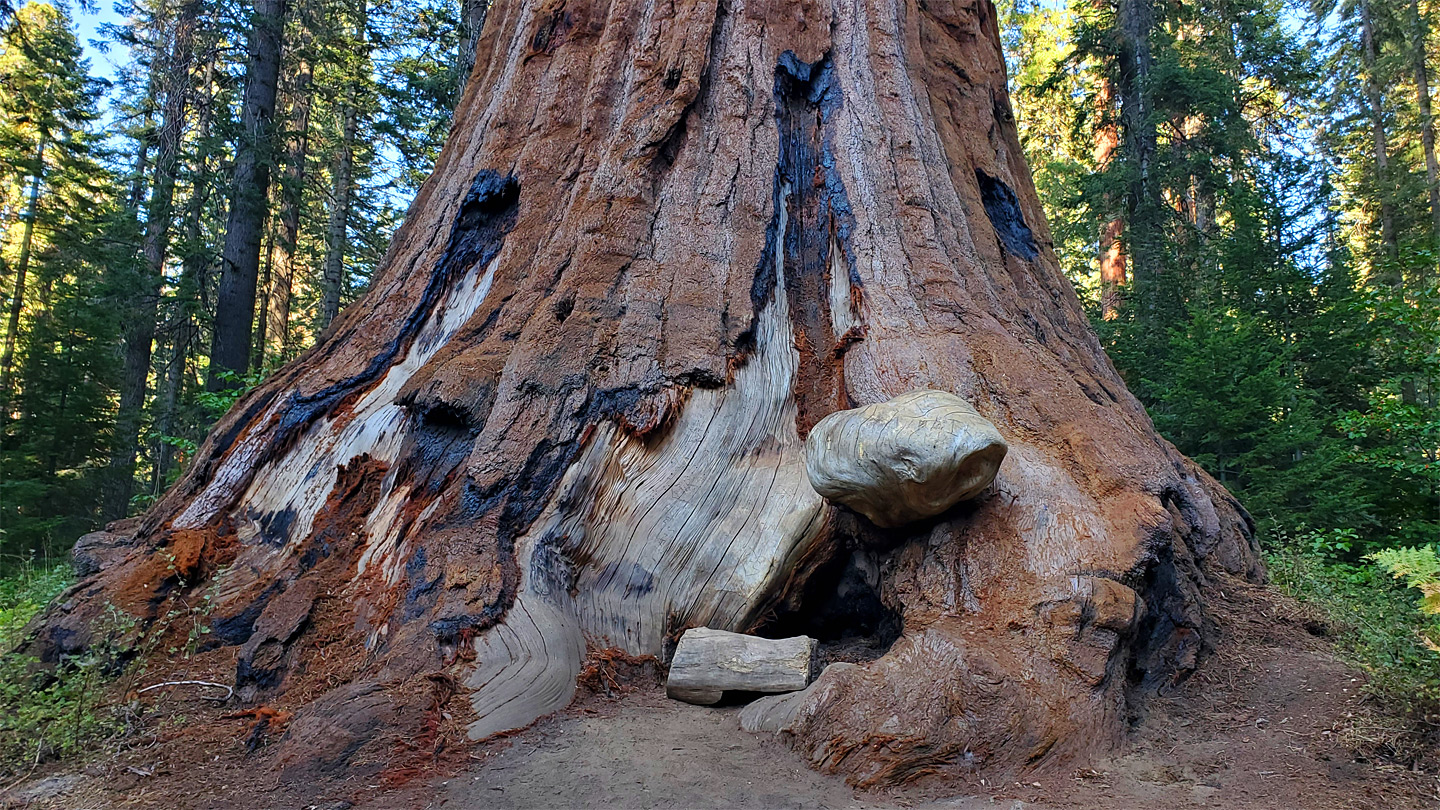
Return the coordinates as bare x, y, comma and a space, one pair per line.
709, 663
904, 460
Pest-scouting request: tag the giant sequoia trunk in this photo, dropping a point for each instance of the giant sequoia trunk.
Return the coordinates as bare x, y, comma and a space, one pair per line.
662, 243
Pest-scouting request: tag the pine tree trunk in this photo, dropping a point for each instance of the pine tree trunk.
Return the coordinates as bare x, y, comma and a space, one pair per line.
1112, 232
292, 187
240, 256
262, 318
143, 308
1419, 58
22, 269
332, 279
570, 413
1378, 137
136, 193
1136, 20
185, 331
337, 228
171, 380
472, 24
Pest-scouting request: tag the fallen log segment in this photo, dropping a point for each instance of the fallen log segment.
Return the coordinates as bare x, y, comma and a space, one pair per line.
708, 663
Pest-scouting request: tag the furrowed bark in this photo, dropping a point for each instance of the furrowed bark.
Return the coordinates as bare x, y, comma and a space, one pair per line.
240, 256
570, 413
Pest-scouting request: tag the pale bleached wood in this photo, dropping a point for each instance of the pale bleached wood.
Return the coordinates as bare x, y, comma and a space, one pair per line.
905, 459
774, 713
708, 663
697, 529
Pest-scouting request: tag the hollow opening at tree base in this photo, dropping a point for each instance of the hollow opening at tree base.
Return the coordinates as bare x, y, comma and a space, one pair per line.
841, 608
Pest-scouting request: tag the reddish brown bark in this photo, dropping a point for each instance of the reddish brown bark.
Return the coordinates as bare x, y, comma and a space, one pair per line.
659, 245
1112, 250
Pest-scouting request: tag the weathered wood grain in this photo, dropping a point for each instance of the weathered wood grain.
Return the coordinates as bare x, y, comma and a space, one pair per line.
774, 713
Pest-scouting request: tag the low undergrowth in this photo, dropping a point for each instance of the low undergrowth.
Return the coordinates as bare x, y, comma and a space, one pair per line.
46, 712
23, 593
1380, 631
89, 702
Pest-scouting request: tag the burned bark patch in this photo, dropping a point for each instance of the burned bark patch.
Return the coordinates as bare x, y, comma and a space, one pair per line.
237, 627
515, 501
441, 437
1172, 635
275, 526
328, 552
551, 31
839, 602
423, 590
486, 215
268, 653
1002, 207
812, 218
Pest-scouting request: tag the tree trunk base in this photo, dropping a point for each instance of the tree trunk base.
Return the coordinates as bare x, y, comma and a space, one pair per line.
661, 245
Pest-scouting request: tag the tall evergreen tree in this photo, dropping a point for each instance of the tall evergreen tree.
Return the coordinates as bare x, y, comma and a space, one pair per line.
65, 229
235, 302
175, 83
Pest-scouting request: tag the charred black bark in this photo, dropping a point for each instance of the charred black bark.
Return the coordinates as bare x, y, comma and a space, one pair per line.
486, 215
810, 200
1002, 208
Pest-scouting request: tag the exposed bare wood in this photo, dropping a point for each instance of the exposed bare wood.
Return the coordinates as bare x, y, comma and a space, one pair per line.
708, 663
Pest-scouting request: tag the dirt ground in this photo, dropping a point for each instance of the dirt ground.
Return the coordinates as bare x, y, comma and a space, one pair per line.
1273, 720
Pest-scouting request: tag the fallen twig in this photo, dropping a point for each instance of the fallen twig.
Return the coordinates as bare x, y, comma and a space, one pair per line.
229, 690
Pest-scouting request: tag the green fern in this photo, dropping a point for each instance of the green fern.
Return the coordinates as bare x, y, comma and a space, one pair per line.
1417, 566
1420, 568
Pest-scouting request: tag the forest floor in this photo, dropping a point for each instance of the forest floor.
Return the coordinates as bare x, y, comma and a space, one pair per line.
1272, 720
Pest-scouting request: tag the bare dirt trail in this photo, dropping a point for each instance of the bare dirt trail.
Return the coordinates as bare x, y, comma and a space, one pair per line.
651, 753
1268, 722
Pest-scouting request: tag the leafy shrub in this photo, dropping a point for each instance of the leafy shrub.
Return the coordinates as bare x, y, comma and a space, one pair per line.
23, 594
1379, 631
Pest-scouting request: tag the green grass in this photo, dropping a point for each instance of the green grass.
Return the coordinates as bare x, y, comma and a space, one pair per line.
1381, 631
22, 594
